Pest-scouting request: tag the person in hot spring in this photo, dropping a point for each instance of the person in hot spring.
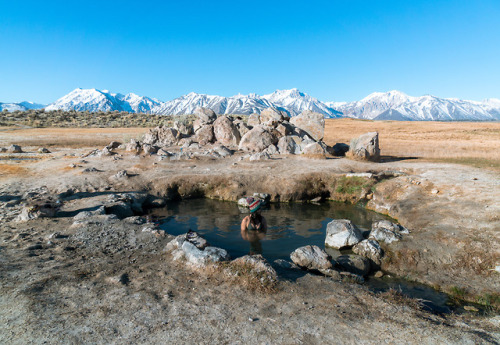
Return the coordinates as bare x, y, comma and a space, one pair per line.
254, 227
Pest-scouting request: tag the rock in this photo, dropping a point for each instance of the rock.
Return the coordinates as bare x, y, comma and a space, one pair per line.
369, 249
3, 149
270, 115
184, 128
242, 127
90, 170
113, 145
253, 120
311, 257
205, 115
43, 150
354, 263
223, 151
256, 265
284, 129
334, 274
149, 149
285, 264
271, 150
352, 277
341, 233
226, 132
122, 174
339, 149
204, 257
259, 156
133, 146
312, 123
191, 236
14, 149
89, 214
163, 152
386, 231
378, 274
257, 139
161, 136
365, 147
313, 149
290, 144
205, 135
363, 175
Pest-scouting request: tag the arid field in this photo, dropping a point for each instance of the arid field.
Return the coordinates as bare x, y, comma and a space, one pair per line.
86, 277
470, 143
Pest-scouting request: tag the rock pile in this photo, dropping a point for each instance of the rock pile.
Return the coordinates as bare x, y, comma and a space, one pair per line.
271, 132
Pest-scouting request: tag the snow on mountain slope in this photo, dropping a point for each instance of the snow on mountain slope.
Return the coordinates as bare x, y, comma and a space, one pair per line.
376, 105
240, 104
23, 106
392, 105
296, 102
96, 100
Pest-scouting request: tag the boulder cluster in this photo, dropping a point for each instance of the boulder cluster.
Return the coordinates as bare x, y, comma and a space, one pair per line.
270, 132
343, 234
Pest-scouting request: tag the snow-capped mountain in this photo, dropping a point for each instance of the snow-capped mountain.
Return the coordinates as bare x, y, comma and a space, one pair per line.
291, 101
240, 104
392, 105
396, 105
23, 106
96, 100
296, 102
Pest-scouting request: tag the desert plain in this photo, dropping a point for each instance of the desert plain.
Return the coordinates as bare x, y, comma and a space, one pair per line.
86, 281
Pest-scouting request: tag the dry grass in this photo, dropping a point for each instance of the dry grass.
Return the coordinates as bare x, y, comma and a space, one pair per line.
10, 169
471, 143
67, 137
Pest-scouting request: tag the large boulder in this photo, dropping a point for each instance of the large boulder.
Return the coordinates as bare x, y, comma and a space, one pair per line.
313, 149
270, 115
311, 257
198, 257
161, 136
257, 266
369, 249
226, 133
290, 144
354, 263
205, 115
242, 127
284, 128
257, 139
311, 122
386, 231
205, 135
342, 233
253, 120
365, 147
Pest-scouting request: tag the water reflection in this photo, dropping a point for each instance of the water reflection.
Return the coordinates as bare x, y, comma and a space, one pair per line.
289, 225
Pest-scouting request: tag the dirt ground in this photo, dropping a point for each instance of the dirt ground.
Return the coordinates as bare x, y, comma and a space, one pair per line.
78, 287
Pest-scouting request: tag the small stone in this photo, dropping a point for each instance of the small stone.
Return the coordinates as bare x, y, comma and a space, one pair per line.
43, 150
471, 308
379, 274
435, 191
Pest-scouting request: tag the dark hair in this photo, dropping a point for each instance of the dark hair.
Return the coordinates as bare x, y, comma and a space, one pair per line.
256, 216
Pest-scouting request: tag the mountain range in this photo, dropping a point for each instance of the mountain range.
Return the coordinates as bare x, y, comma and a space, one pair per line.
392, 105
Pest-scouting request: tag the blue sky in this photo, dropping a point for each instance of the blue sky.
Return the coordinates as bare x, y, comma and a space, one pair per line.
332, 50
